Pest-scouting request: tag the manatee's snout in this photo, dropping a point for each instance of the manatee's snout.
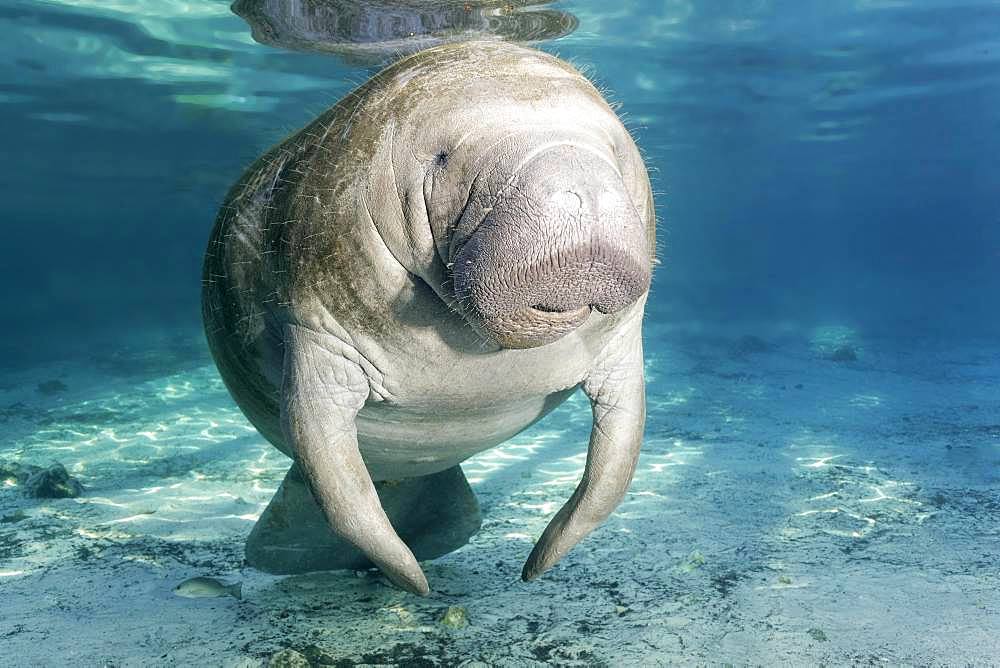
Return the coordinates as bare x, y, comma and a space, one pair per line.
558, 238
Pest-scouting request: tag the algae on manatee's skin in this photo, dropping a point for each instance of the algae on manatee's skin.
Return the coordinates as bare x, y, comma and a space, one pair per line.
817, 635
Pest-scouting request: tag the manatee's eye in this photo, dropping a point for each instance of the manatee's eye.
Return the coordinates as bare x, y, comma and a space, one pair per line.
441, 159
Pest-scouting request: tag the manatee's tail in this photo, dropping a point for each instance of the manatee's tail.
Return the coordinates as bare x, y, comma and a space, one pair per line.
235, 590
434, 515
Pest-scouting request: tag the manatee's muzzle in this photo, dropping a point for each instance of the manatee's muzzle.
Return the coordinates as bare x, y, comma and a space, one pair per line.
562, 240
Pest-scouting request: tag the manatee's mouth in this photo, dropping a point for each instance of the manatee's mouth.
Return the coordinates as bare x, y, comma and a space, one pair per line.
560, 240
544, 306
547, 309
530, 326
529, 305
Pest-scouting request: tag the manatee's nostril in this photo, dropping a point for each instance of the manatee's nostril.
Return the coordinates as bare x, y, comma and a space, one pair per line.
610, 308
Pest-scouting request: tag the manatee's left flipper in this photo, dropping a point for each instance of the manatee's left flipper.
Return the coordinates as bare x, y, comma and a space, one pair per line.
322, 392
618, 398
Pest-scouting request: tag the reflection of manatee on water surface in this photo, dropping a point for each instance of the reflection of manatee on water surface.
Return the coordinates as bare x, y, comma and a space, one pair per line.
425, 270
378, 31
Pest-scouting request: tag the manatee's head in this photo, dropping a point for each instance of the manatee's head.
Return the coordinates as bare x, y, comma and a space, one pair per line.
537, 200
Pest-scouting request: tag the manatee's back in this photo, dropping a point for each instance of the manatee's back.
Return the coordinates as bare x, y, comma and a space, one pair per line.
232, 284
246, 279
243, 293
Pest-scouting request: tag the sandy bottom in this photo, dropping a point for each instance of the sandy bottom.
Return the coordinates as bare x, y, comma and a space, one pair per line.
788, 508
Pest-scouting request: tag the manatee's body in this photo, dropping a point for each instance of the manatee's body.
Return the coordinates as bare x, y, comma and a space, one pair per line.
425, 270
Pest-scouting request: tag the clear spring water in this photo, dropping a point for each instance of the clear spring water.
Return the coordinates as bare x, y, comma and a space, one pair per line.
827, 177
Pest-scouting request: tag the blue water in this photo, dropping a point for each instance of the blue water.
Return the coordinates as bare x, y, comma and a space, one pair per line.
826, 173
813, 160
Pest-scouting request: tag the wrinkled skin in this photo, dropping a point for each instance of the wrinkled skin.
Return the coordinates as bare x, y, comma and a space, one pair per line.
429, 268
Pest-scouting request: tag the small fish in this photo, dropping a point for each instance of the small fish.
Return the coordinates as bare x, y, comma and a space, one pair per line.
208, 588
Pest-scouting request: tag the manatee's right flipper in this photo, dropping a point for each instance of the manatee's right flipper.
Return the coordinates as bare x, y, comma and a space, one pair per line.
322, 391
434, 515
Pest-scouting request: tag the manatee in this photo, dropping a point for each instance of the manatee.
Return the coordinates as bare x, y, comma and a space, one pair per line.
371, 32
422, 272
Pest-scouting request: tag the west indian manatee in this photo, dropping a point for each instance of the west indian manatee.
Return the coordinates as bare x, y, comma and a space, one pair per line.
421, 273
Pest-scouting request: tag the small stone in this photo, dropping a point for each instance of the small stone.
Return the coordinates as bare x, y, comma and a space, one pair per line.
455, 617
317, 656
694, 560
749, 345
676, 621
843, 354
13, 471
50, 387
288, 658
817, 635
14, 517
53, 482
